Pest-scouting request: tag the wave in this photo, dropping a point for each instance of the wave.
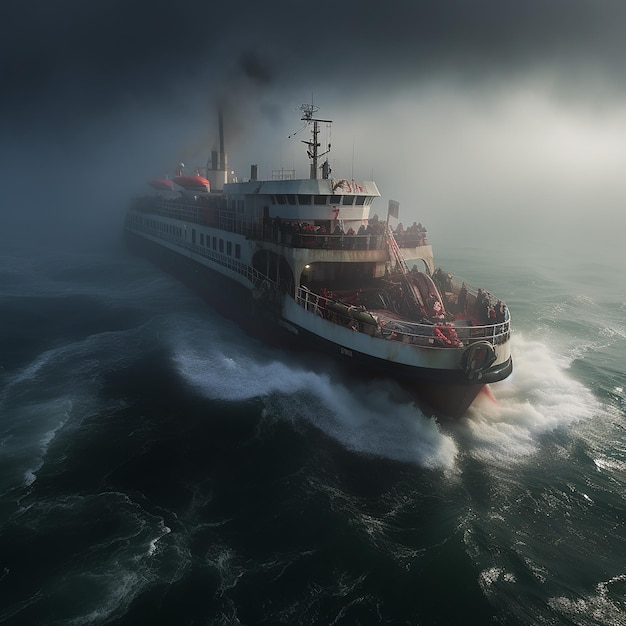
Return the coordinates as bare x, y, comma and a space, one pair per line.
603, 606
123, 551
363, 419
540, 396
505, 423
58, 388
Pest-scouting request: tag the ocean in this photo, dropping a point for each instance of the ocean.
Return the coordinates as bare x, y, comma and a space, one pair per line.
158, 466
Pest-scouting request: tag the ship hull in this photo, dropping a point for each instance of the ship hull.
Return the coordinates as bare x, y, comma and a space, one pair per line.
446, 393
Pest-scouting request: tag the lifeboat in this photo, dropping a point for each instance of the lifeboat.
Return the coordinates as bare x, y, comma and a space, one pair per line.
193, 183
161, 184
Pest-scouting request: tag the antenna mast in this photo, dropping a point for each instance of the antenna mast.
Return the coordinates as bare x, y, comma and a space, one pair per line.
308, 110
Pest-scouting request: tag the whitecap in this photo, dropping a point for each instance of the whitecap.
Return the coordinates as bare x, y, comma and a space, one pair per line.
605, 606
540, 396
363, 419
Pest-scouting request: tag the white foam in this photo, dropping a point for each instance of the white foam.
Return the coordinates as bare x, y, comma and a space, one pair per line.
605, 606
235, 376
152, 546
493, 576
539, 396
33, 447
364, 420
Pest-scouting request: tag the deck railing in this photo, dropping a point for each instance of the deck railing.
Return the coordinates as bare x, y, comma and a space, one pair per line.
252, 275
452, 335
280, 231
355, 317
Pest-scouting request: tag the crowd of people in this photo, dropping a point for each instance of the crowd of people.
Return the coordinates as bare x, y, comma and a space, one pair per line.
414, 233
370, 235
488, 313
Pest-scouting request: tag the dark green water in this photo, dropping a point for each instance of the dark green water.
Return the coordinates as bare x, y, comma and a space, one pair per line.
158, 467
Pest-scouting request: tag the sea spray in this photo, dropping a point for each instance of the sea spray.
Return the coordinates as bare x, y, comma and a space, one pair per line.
363, 419
540, 396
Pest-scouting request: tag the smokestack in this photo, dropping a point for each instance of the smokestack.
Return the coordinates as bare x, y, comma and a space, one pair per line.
223, 165
254, 172
214, 161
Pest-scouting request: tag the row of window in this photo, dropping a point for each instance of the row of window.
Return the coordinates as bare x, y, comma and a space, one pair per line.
176, 231
307, 199
216, 244
162, 227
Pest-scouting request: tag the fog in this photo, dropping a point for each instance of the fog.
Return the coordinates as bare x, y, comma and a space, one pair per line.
487, 121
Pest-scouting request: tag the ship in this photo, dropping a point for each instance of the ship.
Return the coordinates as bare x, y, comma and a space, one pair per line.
309, 263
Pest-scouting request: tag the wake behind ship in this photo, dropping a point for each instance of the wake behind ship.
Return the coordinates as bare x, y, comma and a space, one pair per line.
308, 262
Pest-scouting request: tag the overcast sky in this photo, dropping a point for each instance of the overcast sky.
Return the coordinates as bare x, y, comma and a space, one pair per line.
469, 113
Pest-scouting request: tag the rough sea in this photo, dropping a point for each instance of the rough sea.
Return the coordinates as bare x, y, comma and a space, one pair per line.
157, 466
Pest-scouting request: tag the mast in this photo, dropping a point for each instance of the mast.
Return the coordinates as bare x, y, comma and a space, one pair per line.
220, 122
307, 117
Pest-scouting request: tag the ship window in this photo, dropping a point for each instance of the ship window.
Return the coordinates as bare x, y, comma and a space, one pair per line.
193, 235
335, 199
237, 251
304, 198
229, 248
201, 239
221, 245
291, 199
280, 199
360, 200
214, 243
348, 200
320, 199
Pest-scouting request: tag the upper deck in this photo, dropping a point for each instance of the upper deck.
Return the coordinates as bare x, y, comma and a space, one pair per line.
306, 186
304, 199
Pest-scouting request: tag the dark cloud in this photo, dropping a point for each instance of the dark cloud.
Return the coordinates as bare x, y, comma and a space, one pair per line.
110, 85
80, 58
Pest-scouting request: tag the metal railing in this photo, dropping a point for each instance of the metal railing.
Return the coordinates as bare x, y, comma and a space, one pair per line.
357, 318
451, 335
283, 232
253, 276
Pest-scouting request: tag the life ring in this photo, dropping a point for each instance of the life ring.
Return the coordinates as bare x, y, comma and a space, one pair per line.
477, 358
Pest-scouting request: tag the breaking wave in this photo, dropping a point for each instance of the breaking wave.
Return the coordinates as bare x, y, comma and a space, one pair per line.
364, 420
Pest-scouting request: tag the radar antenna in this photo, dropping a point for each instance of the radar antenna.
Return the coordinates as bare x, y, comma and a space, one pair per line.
308, 112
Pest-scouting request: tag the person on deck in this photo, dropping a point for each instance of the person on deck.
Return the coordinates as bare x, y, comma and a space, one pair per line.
462, 302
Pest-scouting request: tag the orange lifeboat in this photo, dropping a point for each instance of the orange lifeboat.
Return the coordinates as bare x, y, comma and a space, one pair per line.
193, 183
162, 184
